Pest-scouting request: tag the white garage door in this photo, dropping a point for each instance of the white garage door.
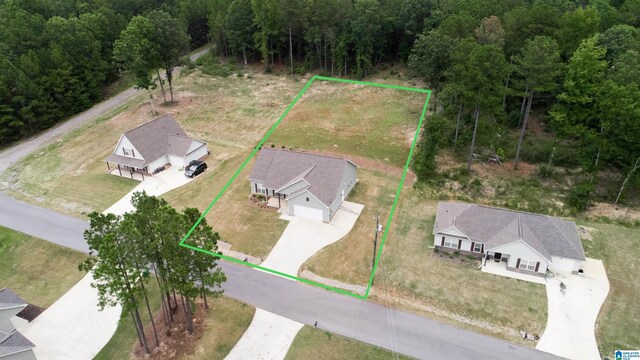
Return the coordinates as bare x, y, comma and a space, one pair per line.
305, 211
561, 264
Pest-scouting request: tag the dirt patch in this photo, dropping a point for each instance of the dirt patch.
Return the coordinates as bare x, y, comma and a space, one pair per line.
175, 341
585, 232
613, 212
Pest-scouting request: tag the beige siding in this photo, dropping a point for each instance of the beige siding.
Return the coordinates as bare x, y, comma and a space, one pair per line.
125, 143
348, 181
519, 250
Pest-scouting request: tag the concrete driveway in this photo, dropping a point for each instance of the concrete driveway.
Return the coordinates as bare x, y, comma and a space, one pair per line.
269, 336
154, 185
72, 328
572, 316
304, 237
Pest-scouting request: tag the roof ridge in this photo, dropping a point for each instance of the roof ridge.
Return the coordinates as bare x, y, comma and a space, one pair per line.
150, 121
308, 153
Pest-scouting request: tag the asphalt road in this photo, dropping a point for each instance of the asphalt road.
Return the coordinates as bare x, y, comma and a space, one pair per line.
368, 322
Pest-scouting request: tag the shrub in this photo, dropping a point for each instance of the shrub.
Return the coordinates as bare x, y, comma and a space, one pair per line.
545, 171
580, 196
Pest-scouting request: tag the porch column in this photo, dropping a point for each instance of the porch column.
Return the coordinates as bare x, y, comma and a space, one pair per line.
119, 170
108, 167
142, 173
131, 171
278, 201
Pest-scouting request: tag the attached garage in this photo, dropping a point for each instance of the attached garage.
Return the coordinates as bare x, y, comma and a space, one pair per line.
307, 212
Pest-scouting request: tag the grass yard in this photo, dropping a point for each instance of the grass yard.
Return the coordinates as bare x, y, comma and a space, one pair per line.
349, 260
27, 269
226, 321
312, 344
453, 289
248, 228
352, 120
618, 325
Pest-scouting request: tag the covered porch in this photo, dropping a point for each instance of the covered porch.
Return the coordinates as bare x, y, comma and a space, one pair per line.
278, 201
499, 267
127, 167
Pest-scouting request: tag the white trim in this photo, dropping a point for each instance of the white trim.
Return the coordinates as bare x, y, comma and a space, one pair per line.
457, 232
291, 184
513, 242
196, 149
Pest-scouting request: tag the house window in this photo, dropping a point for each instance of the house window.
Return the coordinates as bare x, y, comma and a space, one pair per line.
451, 243
477, 248
307, 199
127, 152
527, 265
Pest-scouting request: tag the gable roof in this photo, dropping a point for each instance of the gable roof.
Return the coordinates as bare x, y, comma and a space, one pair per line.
14, 342
155, 139
9, 299
279, 168
548, 235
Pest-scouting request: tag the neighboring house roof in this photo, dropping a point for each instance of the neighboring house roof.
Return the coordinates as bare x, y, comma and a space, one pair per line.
14, 342
9, 299
548, 235
158, 137
279, 168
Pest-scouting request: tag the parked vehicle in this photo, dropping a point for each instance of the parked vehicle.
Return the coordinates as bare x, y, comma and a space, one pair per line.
195, 168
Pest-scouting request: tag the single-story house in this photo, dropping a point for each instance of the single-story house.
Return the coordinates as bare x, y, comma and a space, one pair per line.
153, 145
13, 346
311, 186
527, 242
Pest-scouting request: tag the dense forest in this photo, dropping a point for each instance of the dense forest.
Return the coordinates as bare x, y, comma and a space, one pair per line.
573, 63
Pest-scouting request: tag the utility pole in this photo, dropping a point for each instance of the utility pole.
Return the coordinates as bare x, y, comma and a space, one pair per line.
375, 245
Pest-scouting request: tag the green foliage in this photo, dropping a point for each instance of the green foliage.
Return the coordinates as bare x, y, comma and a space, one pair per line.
424, 161
430, 57
580, 196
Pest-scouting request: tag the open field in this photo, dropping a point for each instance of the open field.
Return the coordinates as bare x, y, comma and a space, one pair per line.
618, 325
311, 344
352, 120
225, 323
27, 269
349, 260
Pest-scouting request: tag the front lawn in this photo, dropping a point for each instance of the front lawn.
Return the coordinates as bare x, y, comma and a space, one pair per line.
451, 288
350, 259
618, 325
26, 267
312, 344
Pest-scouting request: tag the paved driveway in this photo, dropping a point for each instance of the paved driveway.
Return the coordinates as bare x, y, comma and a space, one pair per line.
154, 185
72, 328
572, 315
269, 336
304, 237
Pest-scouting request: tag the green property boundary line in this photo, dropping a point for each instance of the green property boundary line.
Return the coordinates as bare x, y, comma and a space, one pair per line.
264, 139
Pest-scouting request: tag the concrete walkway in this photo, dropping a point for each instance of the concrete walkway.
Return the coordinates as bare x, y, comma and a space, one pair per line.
72, 328
500, 268
269, 336
154, 185
572, 316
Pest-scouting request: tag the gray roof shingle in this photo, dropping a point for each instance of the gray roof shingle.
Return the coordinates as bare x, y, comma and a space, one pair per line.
14, 342
157, 138
277, 168
9, 299
494, 226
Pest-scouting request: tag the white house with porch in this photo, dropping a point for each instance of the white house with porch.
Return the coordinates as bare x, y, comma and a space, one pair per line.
525, 242
308, 185
153, 145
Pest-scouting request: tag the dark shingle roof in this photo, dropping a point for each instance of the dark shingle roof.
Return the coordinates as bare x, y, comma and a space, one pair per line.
157, 138
277, 168
14, 342
546, 234
9, 299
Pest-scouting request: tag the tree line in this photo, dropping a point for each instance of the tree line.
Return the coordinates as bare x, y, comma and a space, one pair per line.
142, 246
575, 64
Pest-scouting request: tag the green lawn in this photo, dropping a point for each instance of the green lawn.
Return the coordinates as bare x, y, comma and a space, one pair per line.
618, 325
352, 120
27, 269
312, 344
349, 260
451, 288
